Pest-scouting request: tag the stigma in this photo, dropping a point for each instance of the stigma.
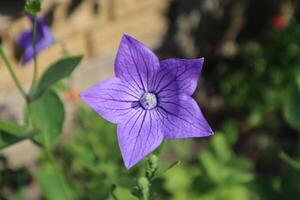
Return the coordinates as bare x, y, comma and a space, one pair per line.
148, 101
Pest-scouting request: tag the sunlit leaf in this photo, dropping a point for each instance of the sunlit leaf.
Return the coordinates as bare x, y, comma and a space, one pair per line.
47, 114
211, 167
11, 128
220, 147
11, 133
57, 71
178, 181
121, 193
292, 108
50, 185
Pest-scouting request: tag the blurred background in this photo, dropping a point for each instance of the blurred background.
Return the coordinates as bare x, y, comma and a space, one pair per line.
249, 90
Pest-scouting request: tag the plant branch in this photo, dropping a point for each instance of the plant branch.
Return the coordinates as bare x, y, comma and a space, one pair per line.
54, 165
13, 74
35, 69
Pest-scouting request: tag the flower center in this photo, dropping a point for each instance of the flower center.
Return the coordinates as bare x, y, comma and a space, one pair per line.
148, 100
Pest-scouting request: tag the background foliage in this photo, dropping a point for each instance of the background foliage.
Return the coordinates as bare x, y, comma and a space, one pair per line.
249, 90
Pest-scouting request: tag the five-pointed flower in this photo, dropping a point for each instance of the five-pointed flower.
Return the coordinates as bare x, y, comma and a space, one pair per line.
44, 39
149, 100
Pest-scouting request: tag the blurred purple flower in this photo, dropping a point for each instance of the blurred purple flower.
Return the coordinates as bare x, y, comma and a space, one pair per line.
44, 39
149, 100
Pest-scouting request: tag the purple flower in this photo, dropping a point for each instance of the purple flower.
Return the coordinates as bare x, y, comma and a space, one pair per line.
44, 39
149, 100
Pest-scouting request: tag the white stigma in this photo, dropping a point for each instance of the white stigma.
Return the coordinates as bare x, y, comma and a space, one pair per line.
148, 101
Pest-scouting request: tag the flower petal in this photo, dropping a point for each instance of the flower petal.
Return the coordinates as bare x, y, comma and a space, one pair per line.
139, 135
136, 64
179, 74
44, 40
111, 99
24, 39
182, 118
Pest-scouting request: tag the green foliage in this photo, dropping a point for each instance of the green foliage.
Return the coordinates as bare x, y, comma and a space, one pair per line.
179, 181
292, 107
290, 161
91, 159
260, 90
57, 71
11, 133
223, 174
33, 6
121, 193
47, 115
50, 185
256, 85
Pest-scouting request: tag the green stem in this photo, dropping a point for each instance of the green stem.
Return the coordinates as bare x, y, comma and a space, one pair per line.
54, 165
146, 195
144, 182
13, 74
33, 84
35, 67
144, 185
112, 192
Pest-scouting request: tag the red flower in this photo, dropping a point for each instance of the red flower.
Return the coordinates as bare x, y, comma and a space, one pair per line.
72, 94
278, 22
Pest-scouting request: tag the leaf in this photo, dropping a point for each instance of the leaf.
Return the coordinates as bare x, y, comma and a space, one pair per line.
290, 161
11, 128
234, 176
230, 130
178, 182
220, 147
50, 185
174, 164
298, 80
47, 114
95, 193
241, 163
7, 139
292, 108
57, 71
33, 6
11, 133
121, 193
237, 192
211, 167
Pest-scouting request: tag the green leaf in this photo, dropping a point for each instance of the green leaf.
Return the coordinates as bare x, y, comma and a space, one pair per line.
241, 163
171, 166
236, 176
11, 128
298, 80
121, 193
237, 192
290, 161
178, 182
50, 185
230, 130
33, 6
11, 133
220, 147
7, 139
292, 108
211, 167
47, 114
57, 71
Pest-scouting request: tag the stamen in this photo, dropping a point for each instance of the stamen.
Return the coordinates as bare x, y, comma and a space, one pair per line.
148, 101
